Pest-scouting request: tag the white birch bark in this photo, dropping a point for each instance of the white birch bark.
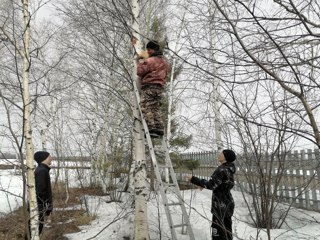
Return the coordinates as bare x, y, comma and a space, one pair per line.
104, 173
43, 139
140, 174
170, 102
166, 170
95, 165
216, 88
27, 126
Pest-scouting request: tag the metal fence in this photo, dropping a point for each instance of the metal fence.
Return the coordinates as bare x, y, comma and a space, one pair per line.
293, 178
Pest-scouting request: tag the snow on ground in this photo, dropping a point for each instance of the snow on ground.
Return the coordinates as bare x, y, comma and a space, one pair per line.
115, 220
11, 185
299, 225
10, 191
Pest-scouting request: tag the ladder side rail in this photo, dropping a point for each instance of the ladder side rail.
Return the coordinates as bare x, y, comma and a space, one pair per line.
177, 190
155, 166
158, 176
159, 180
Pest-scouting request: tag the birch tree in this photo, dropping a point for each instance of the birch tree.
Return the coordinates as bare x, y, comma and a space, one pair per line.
23, 52
27, 124
25, 72
140, 174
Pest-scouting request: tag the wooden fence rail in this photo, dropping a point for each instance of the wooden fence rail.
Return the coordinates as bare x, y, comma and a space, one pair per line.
293, 180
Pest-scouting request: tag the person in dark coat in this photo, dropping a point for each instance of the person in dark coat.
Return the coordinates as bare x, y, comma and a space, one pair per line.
222, 205
43, 186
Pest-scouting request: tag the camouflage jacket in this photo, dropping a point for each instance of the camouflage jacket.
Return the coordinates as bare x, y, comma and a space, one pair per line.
221, 182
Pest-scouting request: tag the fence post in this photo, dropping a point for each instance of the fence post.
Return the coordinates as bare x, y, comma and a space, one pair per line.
315, 196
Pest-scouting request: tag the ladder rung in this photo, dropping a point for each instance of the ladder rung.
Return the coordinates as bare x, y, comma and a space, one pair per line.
167, 185
171, 185
163, 166
174, 204
180, 225
162, 153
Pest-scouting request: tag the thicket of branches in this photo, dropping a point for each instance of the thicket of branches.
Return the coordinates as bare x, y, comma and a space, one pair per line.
251, 65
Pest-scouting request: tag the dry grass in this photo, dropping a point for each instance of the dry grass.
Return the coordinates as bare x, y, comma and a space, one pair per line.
12, 226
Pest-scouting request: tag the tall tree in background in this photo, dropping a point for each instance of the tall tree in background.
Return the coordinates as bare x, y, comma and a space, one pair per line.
274, 91
285, 53
266, 55
98, 67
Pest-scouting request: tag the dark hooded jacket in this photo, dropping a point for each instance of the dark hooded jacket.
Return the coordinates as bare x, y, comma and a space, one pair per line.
221, 182
43, 188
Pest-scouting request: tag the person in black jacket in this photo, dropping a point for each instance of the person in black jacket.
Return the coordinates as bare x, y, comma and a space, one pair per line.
43, 186
222, 205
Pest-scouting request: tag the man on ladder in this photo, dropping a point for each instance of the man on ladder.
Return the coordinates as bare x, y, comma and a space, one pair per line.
152, 70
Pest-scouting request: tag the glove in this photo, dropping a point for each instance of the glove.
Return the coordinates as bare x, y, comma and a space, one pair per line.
48, 208
143, 55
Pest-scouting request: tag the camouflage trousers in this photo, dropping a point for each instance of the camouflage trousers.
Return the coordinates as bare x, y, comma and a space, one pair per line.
150, 102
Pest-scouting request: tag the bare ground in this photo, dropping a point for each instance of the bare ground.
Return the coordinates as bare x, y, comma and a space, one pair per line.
61, 221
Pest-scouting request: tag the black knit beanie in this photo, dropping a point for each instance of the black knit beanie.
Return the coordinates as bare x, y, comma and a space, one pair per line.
153, 45
41, 156
229, 155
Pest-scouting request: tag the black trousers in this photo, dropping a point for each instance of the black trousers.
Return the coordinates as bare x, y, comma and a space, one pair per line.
221, 227
42, 216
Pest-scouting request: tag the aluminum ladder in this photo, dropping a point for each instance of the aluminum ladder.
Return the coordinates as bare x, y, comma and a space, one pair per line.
164, 187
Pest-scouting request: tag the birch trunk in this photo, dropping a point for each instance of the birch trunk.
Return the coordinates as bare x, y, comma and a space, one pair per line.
168, 137
27, 126
104, 173
170, 102
216, 86
140, 173
95, 164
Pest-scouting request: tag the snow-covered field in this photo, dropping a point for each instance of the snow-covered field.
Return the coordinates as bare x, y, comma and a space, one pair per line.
10, 191
114, 220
